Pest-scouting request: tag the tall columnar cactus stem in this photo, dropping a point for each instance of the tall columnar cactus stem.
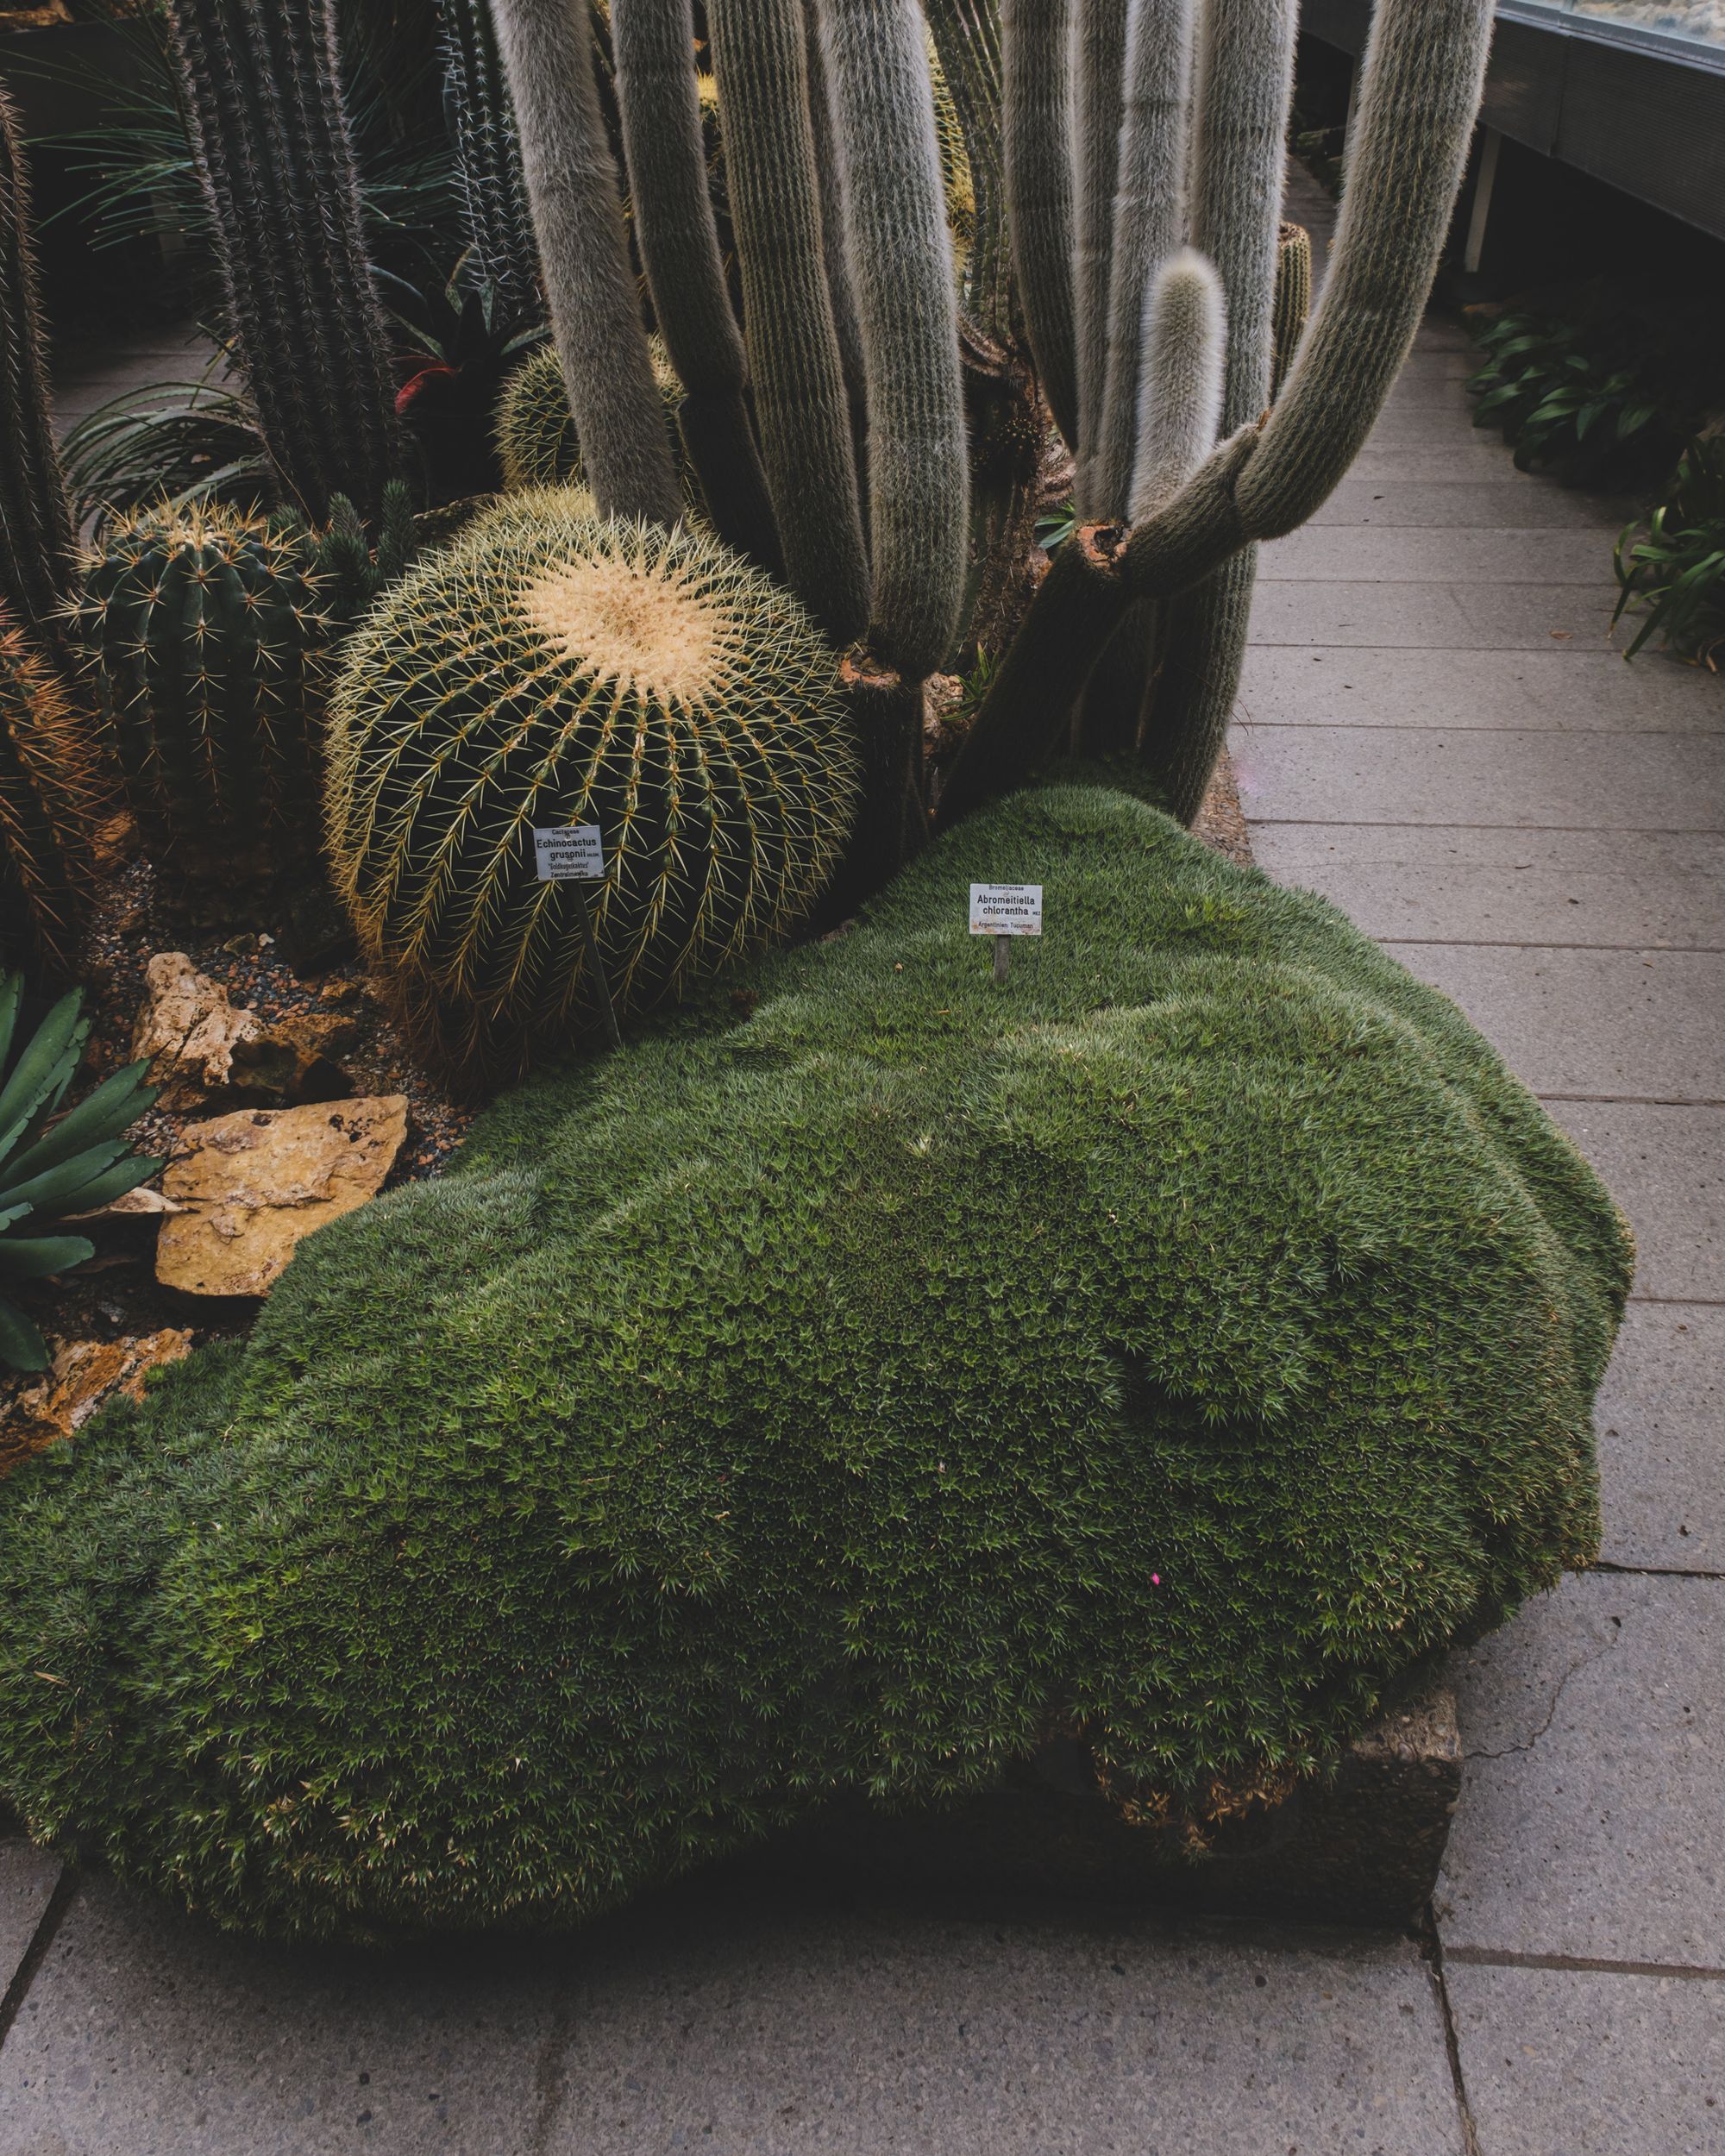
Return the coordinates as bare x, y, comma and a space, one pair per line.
49, 784
1036, 122
760, 62
1101, 52
37, 551
263, 94
659, 98
1246, 83
901, 255
571, 182
1293, 300
1179, 396
967, 41
839, 285
1149, 220
1425, 67
500, 224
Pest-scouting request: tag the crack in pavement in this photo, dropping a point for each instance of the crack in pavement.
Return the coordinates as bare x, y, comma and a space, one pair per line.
1574, 1669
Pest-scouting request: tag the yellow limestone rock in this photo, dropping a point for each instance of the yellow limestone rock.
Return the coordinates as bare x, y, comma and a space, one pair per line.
83, 1374
188, 1030
253, 1184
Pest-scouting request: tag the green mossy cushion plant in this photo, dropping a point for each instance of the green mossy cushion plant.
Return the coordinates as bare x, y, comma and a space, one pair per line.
1180, 1343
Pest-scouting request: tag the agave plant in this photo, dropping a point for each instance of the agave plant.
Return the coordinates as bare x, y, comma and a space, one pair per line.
1674, 570
50, 1167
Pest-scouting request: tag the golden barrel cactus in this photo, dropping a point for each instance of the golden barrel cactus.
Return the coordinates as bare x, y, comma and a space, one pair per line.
554, 669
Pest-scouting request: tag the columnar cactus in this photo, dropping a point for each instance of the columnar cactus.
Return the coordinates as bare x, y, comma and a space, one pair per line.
1420, 92
760, 59
664, 145
499, 225
552, 668
1120, 131
263, 98
211, 635
49, 784
572, 184
1293, 299
36, 547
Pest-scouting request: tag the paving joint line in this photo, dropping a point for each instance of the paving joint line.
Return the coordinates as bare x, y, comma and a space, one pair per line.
11, 2003
1432, 1946
1633, 1100
1533, 831
1509, 943
1581, 1964
1654, 1571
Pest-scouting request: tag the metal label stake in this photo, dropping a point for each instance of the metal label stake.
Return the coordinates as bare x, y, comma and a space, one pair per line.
573, 855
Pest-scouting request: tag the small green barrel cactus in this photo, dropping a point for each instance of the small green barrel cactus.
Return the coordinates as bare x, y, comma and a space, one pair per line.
552, 668
536, 442
49, 783
1293, 297
210, 634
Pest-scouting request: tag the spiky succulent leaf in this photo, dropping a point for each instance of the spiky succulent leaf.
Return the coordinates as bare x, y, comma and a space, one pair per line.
48, 1168
552, 668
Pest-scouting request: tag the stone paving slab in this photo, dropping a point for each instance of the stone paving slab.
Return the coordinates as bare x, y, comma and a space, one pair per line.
1335, 552
1592, 1813
1471, 616
764, 2030
1517, 503
1440, 391
1666, 1167
1565, 2062
1560, 687
1633, 889
27, 1880
147, 2034
1440, 363
1469, 456
1661, 1422
1415, 427
1426, 774
1606, 1023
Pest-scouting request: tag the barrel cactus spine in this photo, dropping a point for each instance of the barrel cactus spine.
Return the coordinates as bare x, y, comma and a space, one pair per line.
51, 784
209, 634
554, 667
537, 443
37, 551
263, 96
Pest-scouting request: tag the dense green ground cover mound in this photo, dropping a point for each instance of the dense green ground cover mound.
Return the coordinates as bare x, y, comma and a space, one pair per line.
1184, 1339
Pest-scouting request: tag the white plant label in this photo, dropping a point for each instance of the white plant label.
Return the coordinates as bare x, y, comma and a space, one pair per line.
573, 855
1005, 909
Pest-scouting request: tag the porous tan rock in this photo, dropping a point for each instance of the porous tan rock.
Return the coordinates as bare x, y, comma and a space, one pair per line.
81, 1376
188, 1030
254, 1184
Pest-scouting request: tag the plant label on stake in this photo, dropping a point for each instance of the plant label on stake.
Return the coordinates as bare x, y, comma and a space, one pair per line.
575, 855
1003, 910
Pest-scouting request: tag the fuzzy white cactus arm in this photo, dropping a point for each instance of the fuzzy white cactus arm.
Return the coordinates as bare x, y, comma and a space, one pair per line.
1036, 122
572, 189
900, 258
1419, 89
1100, 56
1150, 217
1180, 404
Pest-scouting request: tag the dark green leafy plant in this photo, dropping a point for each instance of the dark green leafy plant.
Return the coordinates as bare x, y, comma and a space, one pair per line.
865, 1375
50, 1167
183, 443
1673, 571
1591, 395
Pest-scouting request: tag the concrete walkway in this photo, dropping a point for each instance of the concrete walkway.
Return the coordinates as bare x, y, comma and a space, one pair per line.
1434, 733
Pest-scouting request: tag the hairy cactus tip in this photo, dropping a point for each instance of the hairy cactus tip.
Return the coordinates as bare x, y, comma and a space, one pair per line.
1180, 394
555, 668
